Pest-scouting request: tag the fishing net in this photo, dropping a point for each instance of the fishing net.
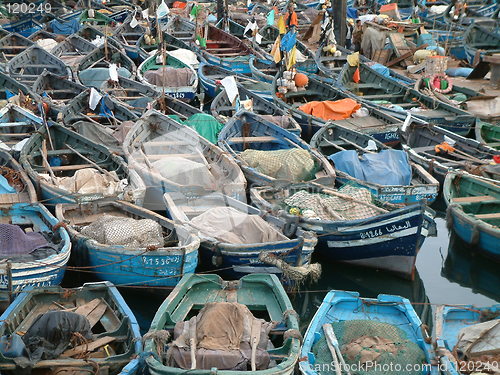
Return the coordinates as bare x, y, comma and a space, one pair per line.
322, 206
129, 232
372, 348
13, 240
293, 164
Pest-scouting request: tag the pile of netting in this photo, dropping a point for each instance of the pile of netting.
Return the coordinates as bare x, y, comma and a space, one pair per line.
294, 164
322, 206
371, 348
125, 231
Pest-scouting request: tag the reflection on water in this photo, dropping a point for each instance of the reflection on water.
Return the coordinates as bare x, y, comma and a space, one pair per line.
470, 269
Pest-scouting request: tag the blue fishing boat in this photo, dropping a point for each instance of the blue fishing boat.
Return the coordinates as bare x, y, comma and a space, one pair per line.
387, 173
168, 251
15, 185
9, 87
69, 168
398, 100
35, 250
449, 323
256, 143
352, 229
238, 239
16, 124
345, 321
225, 50
172, 157
24, 27
479, 41
375, 122
12, 45
129, 36
222, 109
474, 210
96, 311
211, 75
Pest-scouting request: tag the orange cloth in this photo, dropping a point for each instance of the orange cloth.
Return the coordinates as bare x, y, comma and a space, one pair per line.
294, 20
331, 110
356, 76
444, 147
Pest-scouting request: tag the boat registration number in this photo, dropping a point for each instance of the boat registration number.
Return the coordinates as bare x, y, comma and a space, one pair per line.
163, 261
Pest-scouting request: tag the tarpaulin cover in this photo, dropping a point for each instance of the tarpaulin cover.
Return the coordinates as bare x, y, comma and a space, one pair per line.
95, 77
223, 333
479, 339
294, 164
13, 240
387, 167
50, 334
206, 125
331, 110
288, 41
170, 77
184, 171
88, 181
228, 225
386, 72
65, 28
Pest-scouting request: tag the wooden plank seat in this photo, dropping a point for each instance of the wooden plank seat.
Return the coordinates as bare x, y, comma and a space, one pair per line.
21, 123
365, 86
382, 96
302, 93
264, 138
478, 198
495, 215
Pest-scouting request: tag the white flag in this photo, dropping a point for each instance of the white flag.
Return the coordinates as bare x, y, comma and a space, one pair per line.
258, 38
133, 22
162, 10
229, 84
113, 72
94, 99
145, 13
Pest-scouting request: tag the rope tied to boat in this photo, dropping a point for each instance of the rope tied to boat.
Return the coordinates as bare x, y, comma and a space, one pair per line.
13, 177
298, 274
159, 337
292, 334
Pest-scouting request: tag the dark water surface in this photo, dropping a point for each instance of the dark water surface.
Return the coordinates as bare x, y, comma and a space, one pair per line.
449, 271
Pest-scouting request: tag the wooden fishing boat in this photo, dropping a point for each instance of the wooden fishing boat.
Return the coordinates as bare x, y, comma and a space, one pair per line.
352, 146
478, 41
474, 210
169, 76
16, 124
174, 107
94, 70
37, 261
98, 37
172, 248
112, 333
385, 238
12, 45
229, 244
489, 134
344, 319
425, 146
377, 124
42, 34
262, 69
270, 34
222, 109
95, 18
194, 164
263, 295
56, 91
226, 50
232, 27
256, 143
128, 37
15, 186
180, 28
210, 75
450, 321
31, 63
79, 170
10, 87
331, 65
24, 27
134, 94
73, 50
109, 111
397, 99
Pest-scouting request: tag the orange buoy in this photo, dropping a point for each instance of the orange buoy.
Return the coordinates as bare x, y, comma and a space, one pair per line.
301, 80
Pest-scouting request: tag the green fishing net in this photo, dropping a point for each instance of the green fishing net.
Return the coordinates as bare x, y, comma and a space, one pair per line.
370, 348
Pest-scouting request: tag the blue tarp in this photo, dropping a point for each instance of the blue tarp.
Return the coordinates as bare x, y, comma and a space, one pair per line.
352, 13
65, 28
386, 72
387, 167
288, 41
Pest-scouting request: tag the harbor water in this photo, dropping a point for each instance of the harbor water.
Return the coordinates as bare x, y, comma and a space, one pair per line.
449, 271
